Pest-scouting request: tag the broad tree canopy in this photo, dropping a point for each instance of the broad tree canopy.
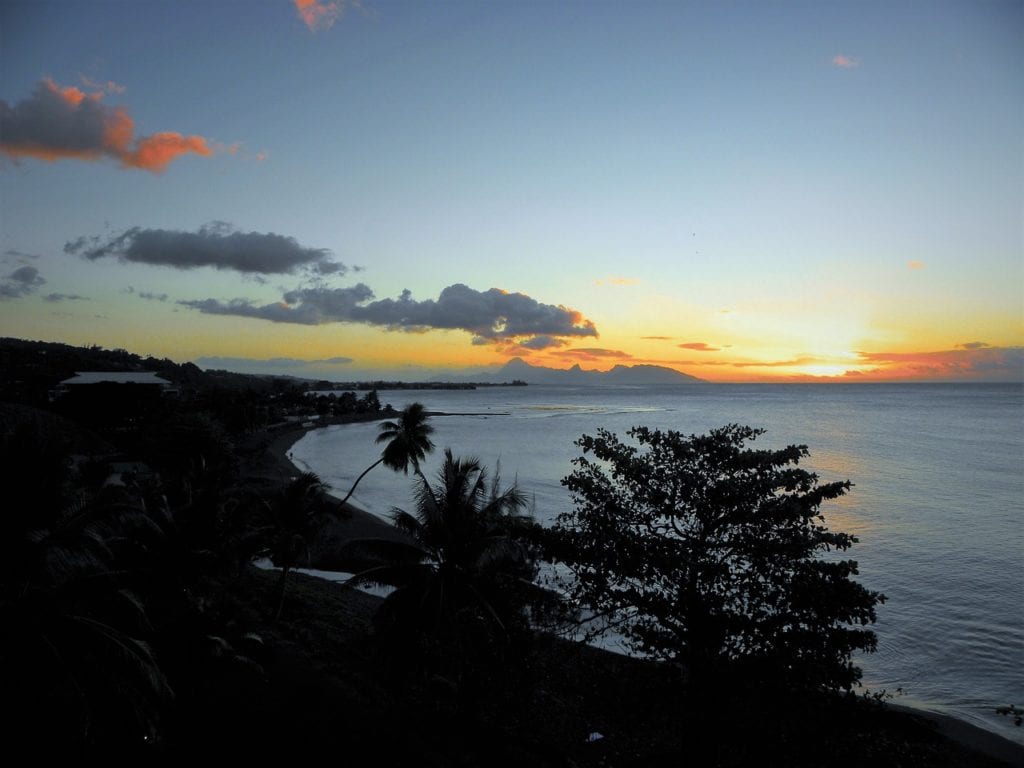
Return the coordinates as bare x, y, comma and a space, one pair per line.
699, 549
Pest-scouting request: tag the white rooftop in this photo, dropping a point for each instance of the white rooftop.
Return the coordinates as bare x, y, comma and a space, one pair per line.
116, 377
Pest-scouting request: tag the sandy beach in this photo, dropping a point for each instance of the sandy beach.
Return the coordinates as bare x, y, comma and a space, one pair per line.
265, 461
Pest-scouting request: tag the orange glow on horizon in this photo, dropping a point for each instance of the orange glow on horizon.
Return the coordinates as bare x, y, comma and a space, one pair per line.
971, 362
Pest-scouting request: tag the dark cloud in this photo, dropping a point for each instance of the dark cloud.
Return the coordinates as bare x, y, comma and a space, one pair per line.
21, 282
973, 345
699, 346
152, 296
59, 123
542, 342
55, 297
304, 306
657, 338
490, 316
216, 245
493, 315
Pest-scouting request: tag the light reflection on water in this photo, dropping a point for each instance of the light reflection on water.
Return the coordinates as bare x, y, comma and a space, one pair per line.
938, 474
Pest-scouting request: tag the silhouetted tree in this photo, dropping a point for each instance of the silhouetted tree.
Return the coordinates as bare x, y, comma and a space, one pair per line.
464, 579
699, 550
408, 443
294, 517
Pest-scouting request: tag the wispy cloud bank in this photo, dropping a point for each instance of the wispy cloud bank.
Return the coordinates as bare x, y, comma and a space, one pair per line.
53, 298
592, 354
842, 61
60, 123
974, 360
216, 245
12, 255
492, 316
109, 86
617, 281
21, 282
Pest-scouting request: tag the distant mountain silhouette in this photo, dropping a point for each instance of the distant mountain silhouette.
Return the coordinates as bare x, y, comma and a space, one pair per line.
519, 369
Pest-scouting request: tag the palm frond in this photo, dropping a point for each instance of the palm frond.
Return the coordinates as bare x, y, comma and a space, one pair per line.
406, 523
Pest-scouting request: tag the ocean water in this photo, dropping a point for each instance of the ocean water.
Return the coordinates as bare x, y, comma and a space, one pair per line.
937, 502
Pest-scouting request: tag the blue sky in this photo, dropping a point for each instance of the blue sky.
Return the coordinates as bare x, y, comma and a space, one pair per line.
836, 186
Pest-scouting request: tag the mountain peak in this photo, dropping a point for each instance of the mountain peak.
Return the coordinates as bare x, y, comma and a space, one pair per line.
620, 374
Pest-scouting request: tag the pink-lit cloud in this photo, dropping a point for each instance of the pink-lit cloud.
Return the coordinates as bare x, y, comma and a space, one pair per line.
617, 280
61, 123
319, 15
699, 346
915, 264
843, 61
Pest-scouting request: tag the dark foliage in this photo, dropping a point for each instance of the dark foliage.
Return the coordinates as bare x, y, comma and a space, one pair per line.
462, 582
75, 664
702, 551
293, 517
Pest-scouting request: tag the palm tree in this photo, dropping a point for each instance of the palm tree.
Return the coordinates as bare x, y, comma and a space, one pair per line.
464, 577
294, 518
408, 443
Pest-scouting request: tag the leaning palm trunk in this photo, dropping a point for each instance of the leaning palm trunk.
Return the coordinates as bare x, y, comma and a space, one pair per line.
408, 441
356, 483
282, 584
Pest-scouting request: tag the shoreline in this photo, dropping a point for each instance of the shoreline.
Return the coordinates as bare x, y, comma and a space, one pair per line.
351, 522
265, 460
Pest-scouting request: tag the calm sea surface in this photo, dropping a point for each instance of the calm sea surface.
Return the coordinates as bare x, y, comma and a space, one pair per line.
938, 473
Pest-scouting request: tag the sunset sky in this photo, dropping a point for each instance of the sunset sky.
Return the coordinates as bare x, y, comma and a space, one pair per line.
762, 191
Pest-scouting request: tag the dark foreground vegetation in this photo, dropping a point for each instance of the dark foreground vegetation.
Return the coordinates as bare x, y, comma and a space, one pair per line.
133, 621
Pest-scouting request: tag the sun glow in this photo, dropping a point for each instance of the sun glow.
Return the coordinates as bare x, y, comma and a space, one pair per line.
825, 370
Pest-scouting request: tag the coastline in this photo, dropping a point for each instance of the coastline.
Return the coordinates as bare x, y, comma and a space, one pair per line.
266, 461
351, 522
